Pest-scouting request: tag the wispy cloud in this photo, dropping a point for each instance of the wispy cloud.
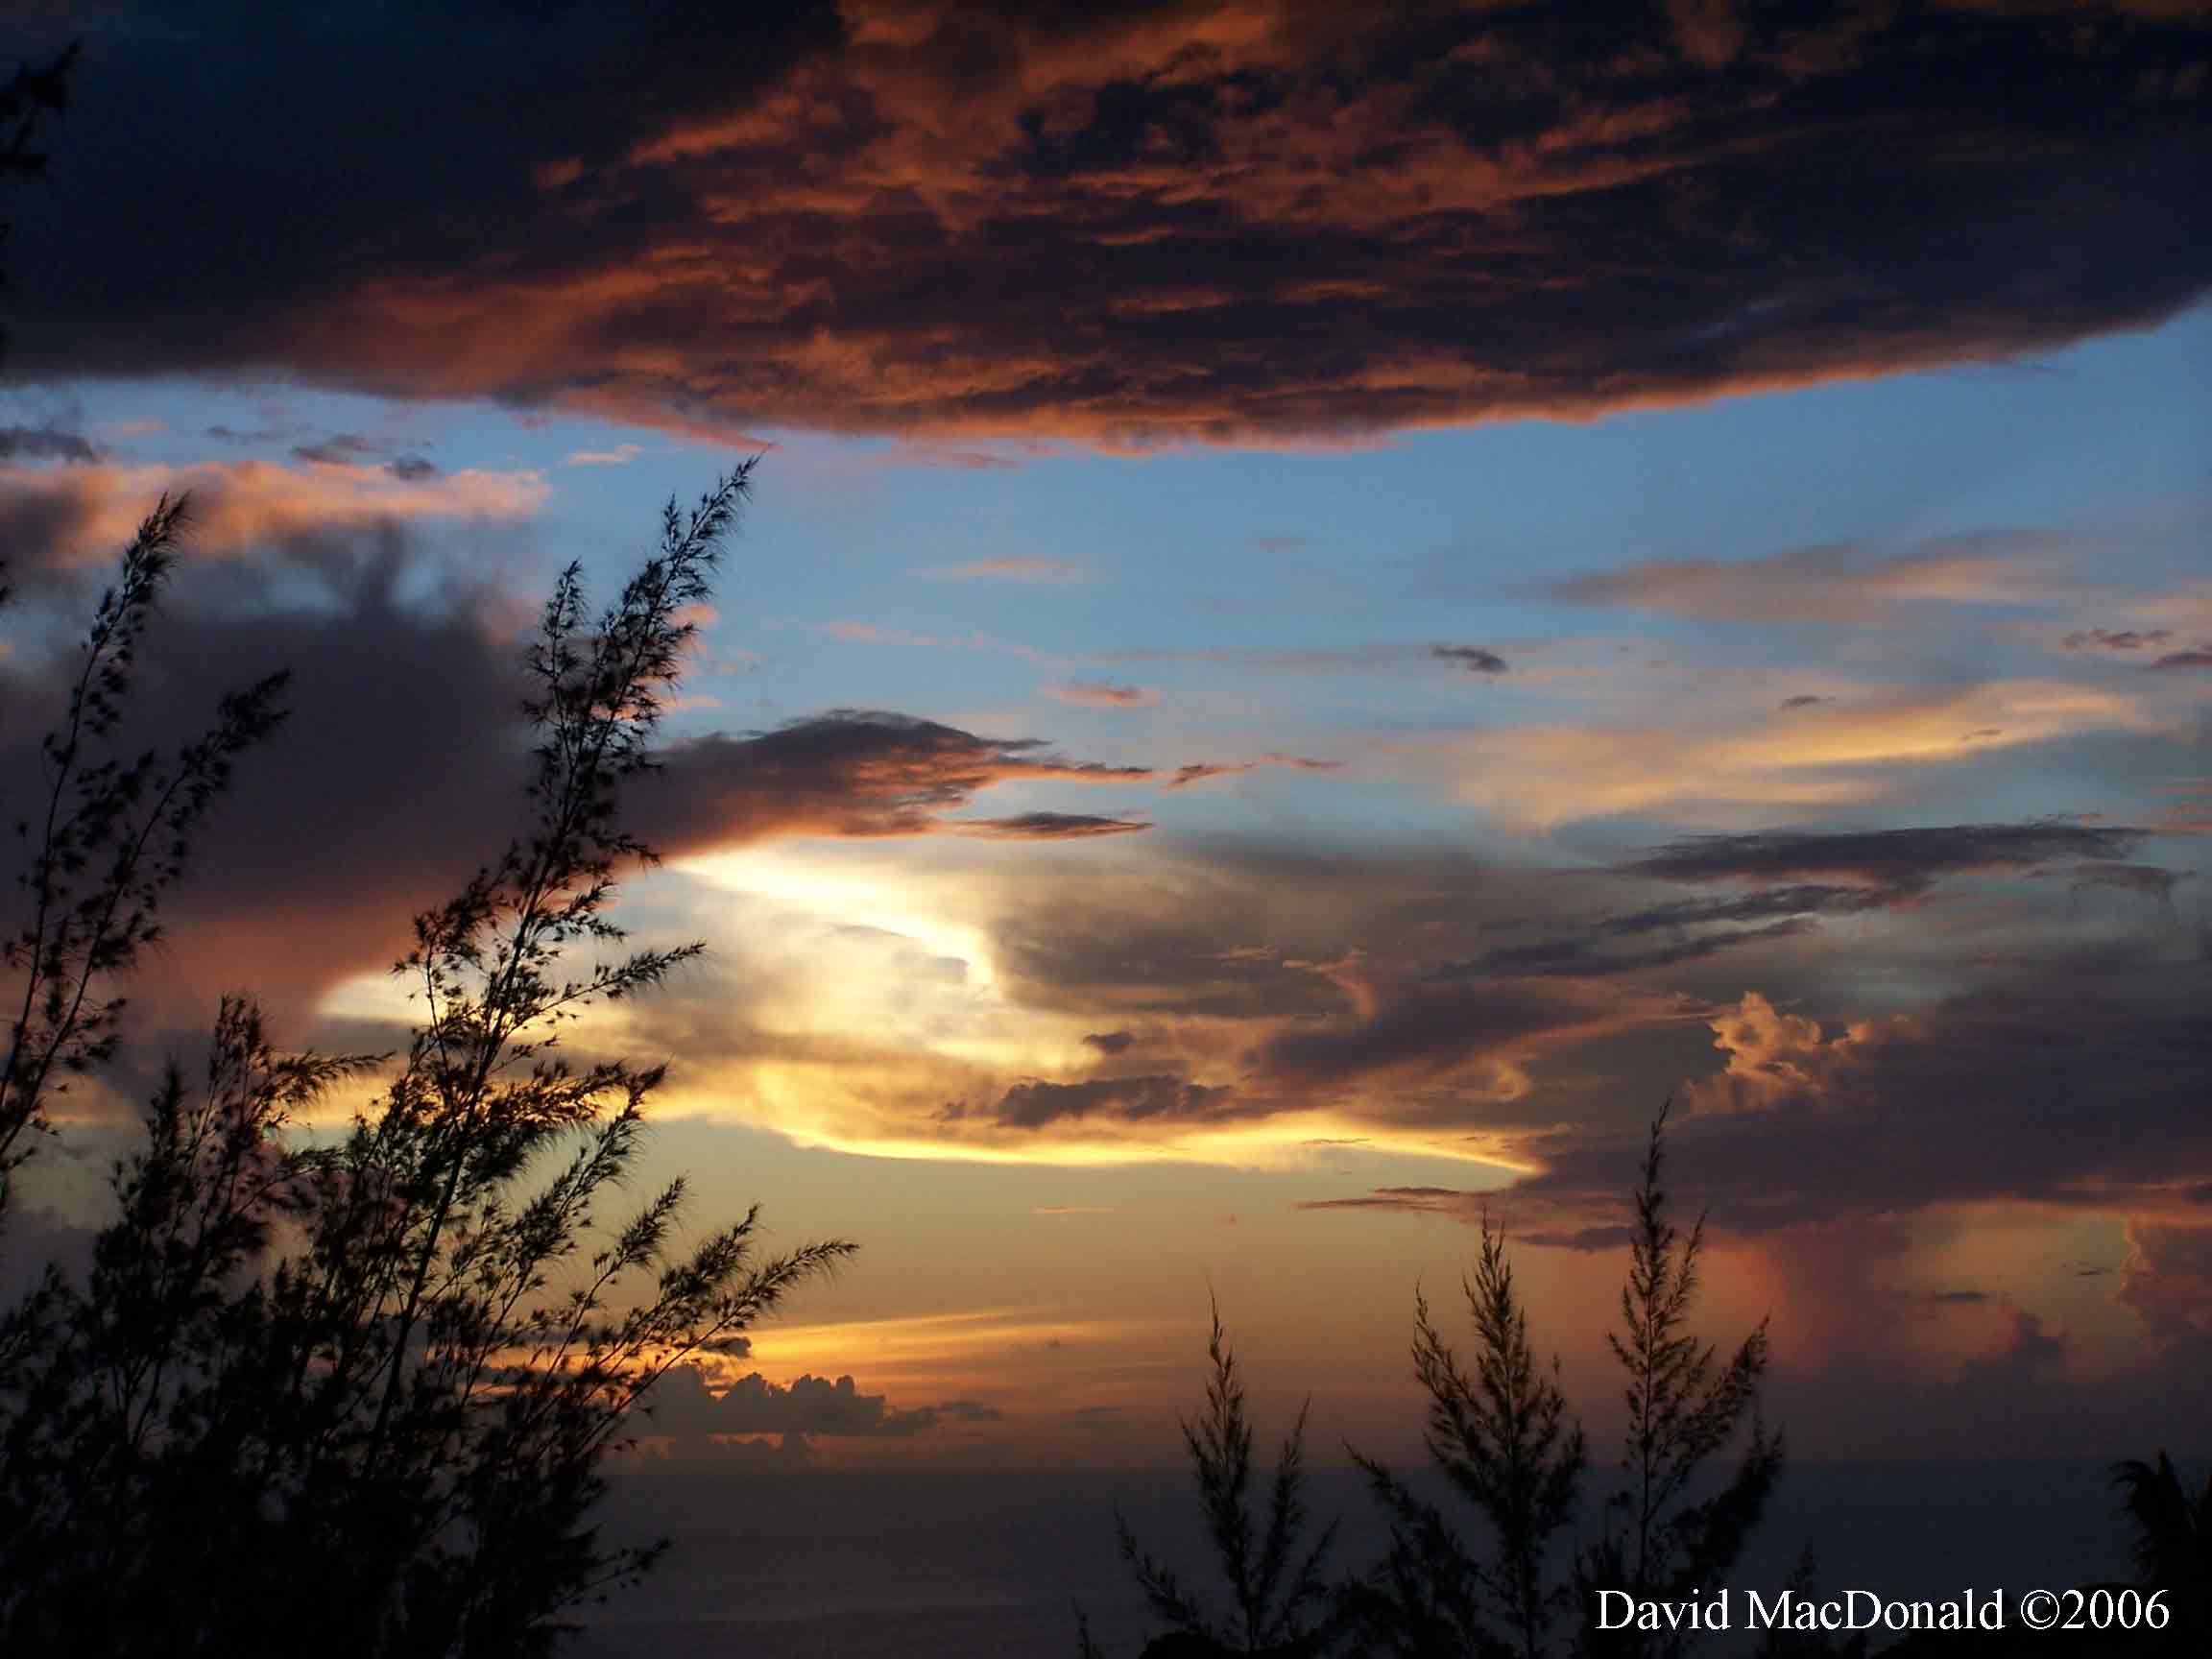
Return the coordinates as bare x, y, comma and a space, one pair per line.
621, 455
1024, 569
79, 513
876, 634
1102, 694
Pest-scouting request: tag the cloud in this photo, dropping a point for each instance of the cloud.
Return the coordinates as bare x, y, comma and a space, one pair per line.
2119, 639
1906, 860
621, 455
1473, 658
85, 513
855, 771
874, 633
1027, 569
1835, 582
1481, 1035
2199, 657
1589, 956
1034, 1103
2074, 1082
1109, 1041
45, 444
1103, 694
1124, 224
1045, 827
2147, 879
1720, 764
1200, 771
682, 1403
339, 449
398, 701
1416, 1200
2167, 1282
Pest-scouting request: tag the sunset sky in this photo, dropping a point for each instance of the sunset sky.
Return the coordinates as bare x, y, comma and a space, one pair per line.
1333, 609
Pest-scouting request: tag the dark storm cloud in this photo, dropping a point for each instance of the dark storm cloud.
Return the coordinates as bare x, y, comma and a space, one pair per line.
2075, 1081
859, 772
2070, 1081
1034, 1103
402, 766
1120, 223
1902, 860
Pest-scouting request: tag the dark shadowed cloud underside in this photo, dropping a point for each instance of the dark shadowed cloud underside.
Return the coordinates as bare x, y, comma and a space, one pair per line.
1119, 223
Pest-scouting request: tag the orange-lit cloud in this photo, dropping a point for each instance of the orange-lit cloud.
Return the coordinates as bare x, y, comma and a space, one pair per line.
1025, 569
85, 514
1102, 694
1708, 767
1841, 583
1134, 226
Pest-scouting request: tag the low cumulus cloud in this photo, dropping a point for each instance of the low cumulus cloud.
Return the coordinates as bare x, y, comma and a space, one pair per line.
684, 1404
1120, 224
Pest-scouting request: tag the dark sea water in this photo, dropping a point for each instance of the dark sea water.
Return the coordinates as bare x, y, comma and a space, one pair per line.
815, 1564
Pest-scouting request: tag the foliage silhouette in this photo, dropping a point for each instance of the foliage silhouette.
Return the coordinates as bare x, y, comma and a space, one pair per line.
2171, 1544
1280, 1602
104, 838
1782, 1642
1684, 1407
1505, 1438
355, 1394
27, 98
1502, 1439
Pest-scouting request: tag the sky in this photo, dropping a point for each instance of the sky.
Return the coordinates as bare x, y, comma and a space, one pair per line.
1333, 611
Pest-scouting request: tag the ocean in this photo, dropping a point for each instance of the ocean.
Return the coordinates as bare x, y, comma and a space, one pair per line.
823, 1564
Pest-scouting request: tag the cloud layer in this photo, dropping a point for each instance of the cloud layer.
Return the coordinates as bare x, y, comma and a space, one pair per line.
1128, 224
